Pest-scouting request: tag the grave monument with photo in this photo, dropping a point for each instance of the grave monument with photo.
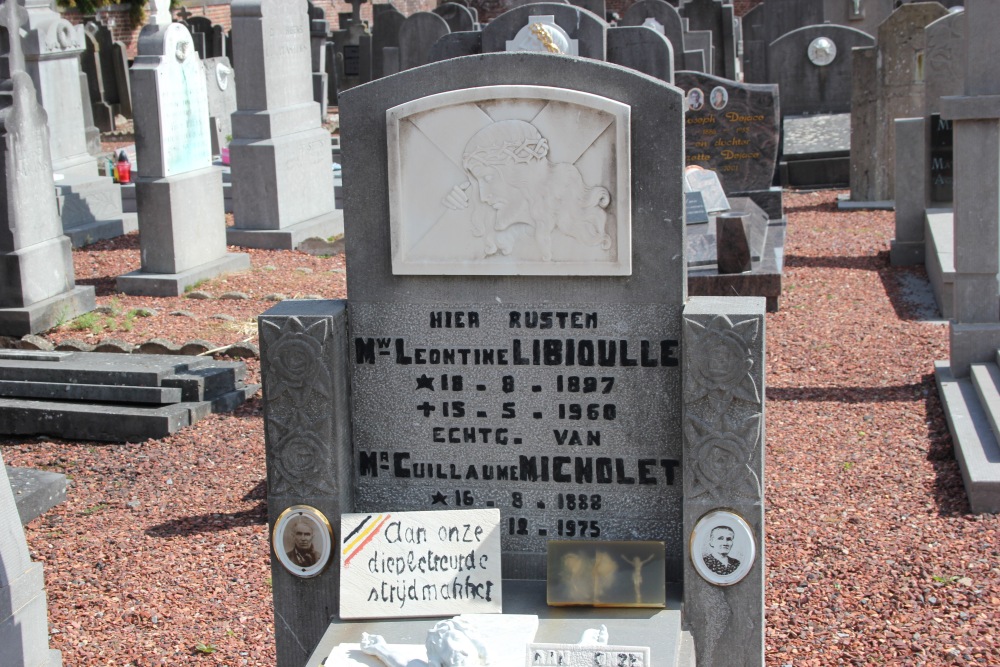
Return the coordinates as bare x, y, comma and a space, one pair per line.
500, 350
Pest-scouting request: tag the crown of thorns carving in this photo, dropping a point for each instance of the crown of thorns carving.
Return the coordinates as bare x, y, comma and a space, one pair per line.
509, 152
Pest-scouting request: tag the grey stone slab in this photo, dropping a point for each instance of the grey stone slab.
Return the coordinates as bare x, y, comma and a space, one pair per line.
659, 629
385, 33
985, 379
587, 28
976, 449
707, 15
643, 50
763, 280
735, 132
770, 200
808, 88
149, 283
910, 202
814, 136
865, 165
87, 421
35, 491
699, 41
944, 74
88, 392
416, 37
220, 83
288, 238
866, 15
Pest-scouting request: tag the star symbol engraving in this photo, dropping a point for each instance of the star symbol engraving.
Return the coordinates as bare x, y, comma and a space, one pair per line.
438, 498
425, 382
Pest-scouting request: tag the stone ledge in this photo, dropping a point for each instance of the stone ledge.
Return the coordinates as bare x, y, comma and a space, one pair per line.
195, 347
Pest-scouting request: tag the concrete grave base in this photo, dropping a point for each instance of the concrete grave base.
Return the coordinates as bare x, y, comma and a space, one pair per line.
288, 238
35, 491
140, 283
97, 230
660, 629
906, 253
972, 406
48, 313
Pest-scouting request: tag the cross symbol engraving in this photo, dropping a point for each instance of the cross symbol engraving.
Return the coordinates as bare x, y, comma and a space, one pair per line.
426, 408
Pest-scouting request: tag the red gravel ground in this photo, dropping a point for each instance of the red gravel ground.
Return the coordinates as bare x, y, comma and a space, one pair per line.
159, 556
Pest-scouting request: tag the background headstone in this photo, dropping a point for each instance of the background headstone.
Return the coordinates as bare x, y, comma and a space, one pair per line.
588, 29
643, 50
282, 166
416, 37
38, 289
182, 235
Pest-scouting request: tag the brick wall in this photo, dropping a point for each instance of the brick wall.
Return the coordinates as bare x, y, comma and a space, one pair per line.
117, 18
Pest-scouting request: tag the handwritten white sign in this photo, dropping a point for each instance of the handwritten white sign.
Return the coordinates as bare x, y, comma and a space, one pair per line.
406, 564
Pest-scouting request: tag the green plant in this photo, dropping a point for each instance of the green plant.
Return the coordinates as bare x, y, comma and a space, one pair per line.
207, 649
93, 509
194, 286
847, 465
945, 579
92, 321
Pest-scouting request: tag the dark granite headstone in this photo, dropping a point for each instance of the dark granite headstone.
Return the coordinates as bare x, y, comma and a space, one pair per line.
807, 86
455, 45
458, 17
735, 132
385, 33
416, 37
643, 50
942, 177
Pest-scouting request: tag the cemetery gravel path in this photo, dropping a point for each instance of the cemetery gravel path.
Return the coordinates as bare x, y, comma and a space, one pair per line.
159, 554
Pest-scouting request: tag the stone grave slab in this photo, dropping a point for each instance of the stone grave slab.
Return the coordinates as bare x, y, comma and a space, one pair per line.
113, 397
586, 29
643, 50
35, 491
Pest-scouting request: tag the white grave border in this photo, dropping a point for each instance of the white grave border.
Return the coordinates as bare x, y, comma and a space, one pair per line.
401, 215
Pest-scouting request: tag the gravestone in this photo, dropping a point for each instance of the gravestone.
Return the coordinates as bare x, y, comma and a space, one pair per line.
282, 166
664, 18
699, 44
586, 31
813, 67
458, 17
894, 79
416, 37
734, 132
182, 224
89, 205
386, 22
24, 626
863, 15
38, 289
102, 68
968, 380
220, 82
641, 49
924, 159
468, 387
352, 50
716, 17
319, 35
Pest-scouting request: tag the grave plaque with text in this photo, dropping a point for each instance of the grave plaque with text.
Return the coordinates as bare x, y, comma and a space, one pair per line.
733, 130
539, 371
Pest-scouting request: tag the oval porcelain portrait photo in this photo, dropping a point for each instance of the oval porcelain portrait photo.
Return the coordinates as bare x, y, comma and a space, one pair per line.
723, 549
303, 540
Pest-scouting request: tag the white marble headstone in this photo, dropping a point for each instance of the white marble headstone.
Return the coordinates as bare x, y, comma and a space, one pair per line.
543, 34
407, 564
510, 180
